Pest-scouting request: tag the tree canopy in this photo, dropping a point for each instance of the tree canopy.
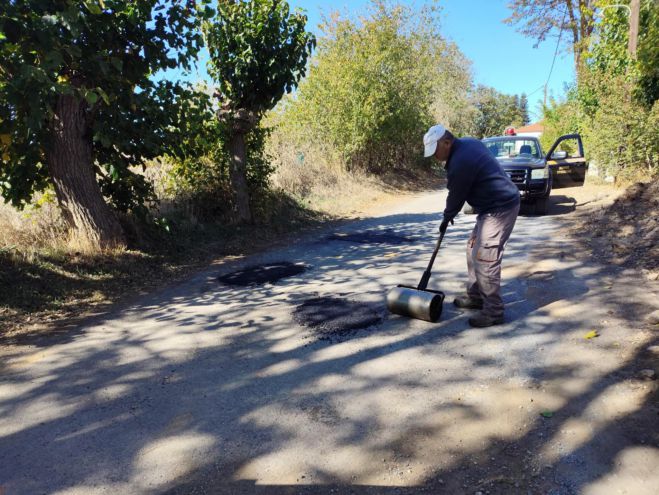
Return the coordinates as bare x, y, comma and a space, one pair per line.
495, 111
375, 85
76, 90
258, 53
541, 19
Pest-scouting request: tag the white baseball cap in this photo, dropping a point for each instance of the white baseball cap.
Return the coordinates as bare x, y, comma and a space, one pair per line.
434, 134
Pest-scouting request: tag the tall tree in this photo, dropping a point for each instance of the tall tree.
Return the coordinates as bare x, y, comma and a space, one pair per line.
494, 111
524, 109
541, 19
258, 53
77, 105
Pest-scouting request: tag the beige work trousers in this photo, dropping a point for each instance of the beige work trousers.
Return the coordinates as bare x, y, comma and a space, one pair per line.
484, 253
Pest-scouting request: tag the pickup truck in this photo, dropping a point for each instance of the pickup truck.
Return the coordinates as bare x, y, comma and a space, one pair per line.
535, 173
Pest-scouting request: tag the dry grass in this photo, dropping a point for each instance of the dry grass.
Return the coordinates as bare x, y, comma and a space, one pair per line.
36, 228
47, 279
42, 289
319, 181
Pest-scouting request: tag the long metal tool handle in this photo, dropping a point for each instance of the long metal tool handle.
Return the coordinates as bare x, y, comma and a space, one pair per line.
426, 275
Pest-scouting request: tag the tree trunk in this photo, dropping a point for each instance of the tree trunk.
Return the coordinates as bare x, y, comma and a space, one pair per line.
239, 176
576, 48
70, 165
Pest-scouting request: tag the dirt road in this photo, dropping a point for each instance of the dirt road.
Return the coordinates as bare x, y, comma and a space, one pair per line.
213, 387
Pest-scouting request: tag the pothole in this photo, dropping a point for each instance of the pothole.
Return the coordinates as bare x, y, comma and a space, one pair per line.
371, 237
262, 274
331, 317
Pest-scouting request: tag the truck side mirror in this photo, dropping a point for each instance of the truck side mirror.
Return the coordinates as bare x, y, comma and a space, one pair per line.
558, 155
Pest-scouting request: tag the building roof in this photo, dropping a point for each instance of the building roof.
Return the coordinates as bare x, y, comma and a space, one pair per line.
535, 127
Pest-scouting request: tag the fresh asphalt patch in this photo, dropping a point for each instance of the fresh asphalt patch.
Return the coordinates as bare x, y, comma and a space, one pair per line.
371, 237
332, 317
262, 274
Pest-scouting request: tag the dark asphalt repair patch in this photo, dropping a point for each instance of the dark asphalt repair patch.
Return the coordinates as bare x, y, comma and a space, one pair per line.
333, 317
371, 237
262, 274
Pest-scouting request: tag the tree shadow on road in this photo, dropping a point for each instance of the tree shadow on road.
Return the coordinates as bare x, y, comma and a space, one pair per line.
211, 389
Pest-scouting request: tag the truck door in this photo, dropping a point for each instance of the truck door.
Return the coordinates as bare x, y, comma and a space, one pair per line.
567, 162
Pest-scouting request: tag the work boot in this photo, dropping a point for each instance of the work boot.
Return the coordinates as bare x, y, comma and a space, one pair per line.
482, 321
467, 302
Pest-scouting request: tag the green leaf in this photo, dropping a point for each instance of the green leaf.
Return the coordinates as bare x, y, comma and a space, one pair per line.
91, 97
546, 414
93, 7
114, 172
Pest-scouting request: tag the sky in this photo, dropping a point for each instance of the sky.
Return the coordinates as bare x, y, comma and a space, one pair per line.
501, 57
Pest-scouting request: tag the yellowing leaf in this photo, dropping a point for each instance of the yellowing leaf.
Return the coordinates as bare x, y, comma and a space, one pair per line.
591, 335
62, 79
5, 139
5, 157
93, 7
104, 95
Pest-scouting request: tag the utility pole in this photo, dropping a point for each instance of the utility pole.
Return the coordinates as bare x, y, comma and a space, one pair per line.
633, 27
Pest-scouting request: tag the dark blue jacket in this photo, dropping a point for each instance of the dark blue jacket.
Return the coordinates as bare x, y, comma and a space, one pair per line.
476, 177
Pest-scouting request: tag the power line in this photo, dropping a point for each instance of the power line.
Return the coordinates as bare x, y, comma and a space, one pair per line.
558, 43
536, 90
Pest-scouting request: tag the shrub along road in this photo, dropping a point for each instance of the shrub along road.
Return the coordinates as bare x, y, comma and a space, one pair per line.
210, 387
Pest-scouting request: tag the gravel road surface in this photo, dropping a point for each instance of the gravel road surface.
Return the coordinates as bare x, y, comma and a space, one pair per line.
307, 385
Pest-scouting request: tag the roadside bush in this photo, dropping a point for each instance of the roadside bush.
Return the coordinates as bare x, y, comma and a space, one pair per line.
561, 117
370, 90
622, 136
615, 105
619, 134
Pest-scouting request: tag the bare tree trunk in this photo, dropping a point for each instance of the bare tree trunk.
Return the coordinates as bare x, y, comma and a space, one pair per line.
633, 28
70, 165
239, 176
575, 35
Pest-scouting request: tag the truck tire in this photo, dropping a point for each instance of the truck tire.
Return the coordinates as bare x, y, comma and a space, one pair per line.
546, 195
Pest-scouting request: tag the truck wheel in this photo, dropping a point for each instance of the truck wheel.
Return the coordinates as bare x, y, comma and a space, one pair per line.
541, 206
546, 195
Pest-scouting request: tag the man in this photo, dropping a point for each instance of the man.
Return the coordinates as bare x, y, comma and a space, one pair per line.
476, 177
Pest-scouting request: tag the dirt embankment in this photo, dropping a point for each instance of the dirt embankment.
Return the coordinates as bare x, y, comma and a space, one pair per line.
626, 232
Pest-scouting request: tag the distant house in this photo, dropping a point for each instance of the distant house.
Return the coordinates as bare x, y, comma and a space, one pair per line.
534, 130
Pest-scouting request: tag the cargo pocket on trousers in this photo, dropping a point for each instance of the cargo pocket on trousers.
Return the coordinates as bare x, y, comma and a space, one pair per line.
488, 253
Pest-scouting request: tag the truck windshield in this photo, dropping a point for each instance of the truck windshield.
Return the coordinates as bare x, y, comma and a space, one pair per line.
512, 147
